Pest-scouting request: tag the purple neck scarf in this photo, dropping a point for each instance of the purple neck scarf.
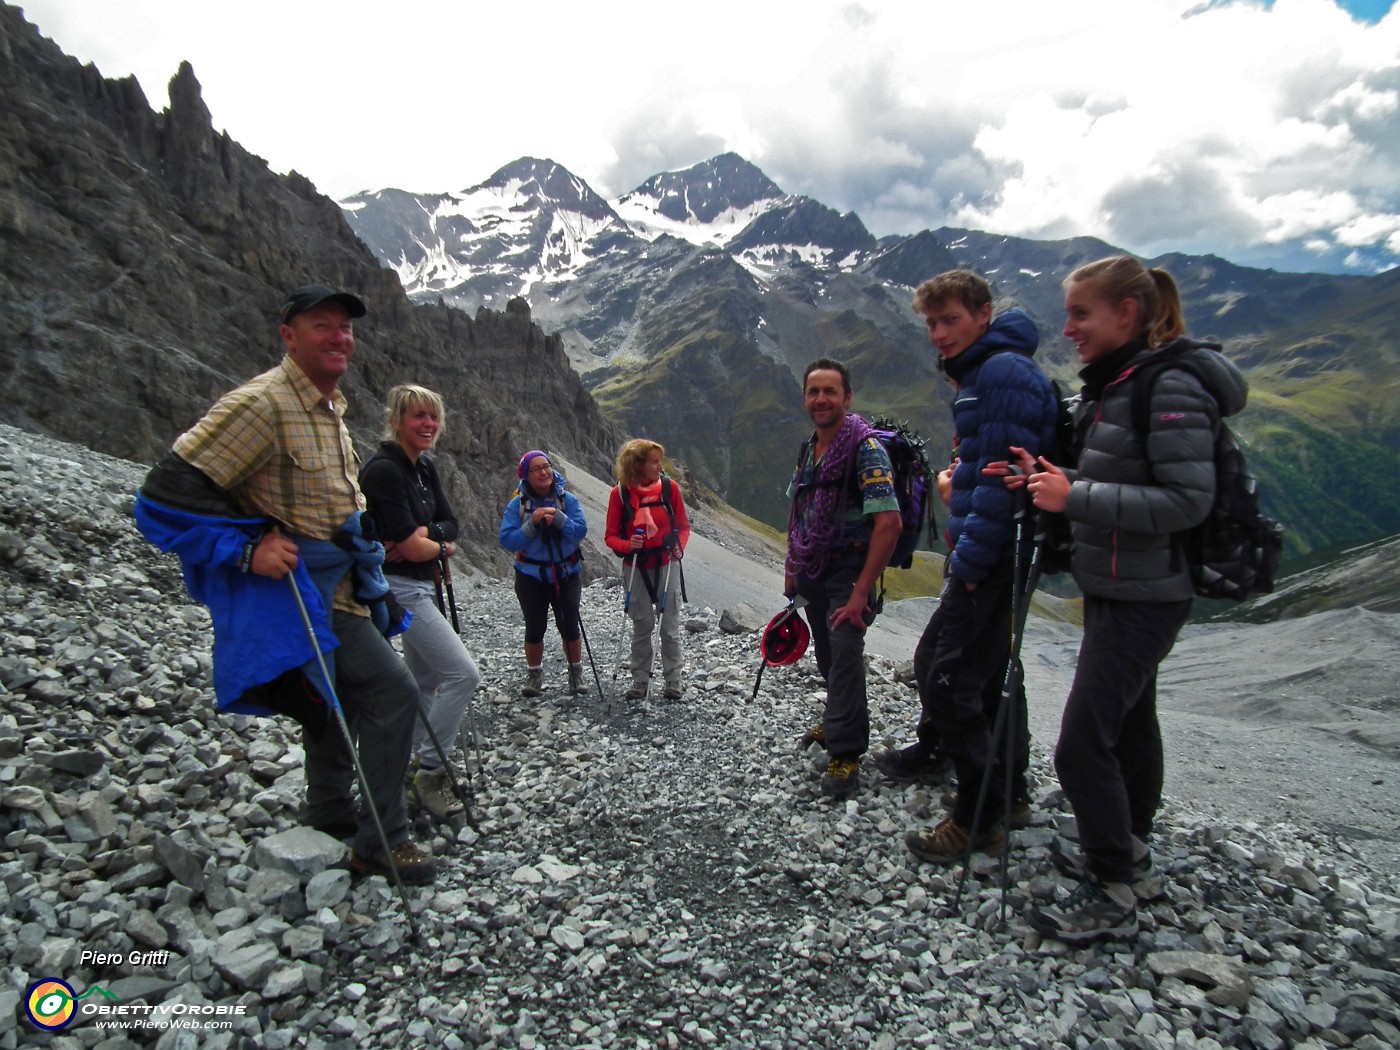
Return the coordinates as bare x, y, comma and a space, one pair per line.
819, 507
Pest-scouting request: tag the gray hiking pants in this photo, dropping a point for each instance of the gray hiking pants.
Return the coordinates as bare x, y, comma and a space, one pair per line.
644, 619
444, 670
840, 657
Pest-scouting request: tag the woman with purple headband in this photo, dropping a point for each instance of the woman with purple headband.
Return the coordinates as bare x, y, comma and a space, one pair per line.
543, 526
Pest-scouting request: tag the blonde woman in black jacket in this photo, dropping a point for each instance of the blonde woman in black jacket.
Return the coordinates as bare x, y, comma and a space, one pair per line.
1129, 498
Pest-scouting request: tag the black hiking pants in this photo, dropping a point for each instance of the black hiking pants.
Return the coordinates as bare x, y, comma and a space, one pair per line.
1109, 757
840, 657
960, 666
380, 699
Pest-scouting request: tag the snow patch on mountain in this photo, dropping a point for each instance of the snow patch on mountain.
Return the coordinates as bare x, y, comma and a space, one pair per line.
642, 214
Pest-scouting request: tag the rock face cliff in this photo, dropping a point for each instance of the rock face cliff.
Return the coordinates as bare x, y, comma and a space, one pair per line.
142, 260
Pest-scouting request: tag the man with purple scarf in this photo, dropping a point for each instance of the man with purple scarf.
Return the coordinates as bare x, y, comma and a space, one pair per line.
842, 526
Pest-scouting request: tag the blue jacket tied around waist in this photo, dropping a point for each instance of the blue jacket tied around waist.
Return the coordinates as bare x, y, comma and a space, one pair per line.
258, 630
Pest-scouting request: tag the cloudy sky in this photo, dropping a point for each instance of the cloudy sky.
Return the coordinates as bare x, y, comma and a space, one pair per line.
1265, 132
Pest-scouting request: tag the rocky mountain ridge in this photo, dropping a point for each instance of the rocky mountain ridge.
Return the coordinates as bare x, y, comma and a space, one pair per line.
142, 261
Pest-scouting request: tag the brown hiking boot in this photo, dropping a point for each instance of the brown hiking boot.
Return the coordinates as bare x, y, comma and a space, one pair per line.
533, 684
1020, 810
577, 682
816, 735
435, 794
947, 843
416, 865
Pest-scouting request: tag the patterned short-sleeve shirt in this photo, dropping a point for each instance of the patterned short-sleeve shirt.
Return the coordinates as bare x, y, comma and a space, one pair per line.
874, 480
278, 445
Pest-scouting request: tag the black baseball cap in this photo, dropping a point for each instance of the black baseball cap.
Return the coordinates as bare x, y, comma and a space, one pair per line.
309, 296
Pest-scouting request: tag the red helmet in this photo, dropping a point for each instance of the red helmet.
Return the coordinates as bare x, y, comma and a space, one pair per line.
784, 639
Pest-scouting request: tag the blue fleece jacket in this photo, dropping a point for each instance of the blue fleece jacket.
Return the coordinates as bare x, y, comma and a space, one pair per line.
536, 550
258, 631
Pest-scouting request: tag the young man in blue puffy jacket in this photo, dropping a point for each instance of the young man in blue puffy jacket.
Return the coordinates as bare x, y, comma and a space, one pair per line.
1003, 399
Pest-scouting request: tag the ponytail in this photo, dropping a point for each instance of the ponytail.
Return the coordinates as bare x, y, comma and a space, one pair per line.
1160, 317
1168, 322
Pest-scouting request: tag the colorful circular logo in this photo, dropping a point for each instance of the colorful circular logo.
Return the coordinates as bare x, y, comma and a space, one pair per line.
50, 1003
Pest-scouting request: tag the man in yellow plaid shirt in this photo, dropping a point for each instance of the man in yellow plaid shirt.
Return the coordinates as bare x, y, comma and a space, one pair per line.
277, 448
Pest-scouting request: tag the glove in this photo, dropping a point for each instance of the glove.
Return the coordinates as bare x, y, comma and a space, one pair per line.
388, 615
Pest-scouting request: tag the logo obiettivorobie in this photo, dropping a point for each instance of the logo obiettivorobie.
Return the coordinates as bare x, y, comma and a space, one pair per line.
50, 1003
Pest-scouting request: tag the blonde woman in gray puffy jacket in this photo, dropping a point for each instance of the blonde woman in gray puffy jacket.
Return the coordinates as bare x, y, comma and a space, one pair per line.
1130, 496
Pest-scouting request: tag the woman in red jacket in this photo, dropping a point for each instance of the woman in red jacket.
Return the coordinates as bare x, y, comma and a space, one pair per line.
647, 527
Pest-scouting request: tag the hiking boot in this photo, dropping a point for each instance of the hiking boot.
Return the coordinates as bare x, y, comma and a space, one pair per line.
434, 791
1147, 885
1093, 912
533, 684
577, 682
841, 779
815, 735
416, 865
1020, 816
673, 691
947, 843
913, 763
637, 692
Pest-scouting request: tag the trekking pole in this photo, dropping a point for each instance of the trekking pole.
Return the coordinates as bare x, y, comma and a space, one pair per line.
632, 573
471, 707
354, 755
589, 650
1002, 724
626, 611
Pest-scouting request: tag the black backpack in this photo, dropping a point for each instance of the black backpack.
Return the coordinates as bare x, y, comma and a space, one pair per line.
913, 483
1235, 551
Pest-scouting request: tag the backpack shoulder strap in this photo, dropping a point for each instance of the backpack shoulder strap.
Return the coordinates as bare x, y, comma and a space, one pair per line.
624, 498
1175, 354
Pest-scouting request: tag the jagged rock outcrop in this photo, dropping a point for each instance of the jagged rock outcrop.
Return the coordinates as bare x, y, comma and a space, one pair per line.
142, 259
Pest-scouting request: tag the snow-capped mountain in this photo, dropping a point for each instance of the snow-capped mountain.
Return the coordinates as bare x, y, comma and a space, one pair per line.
709, 203
692, 304
531, 221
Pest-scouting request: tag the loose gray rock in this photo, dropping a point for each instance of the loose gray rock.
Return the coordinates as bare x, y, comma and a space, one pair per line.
301, 852
326, 889
742, 619
674, 860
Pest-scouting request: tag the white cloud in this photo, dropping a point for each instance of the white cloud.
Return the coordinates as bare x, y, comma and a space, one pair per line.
1248, 129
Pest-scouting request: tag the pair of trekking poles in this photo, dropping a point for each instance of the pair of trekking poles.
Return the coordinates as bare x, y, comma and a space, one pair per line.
1003, 733
554, 549
443, 577
659, 602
